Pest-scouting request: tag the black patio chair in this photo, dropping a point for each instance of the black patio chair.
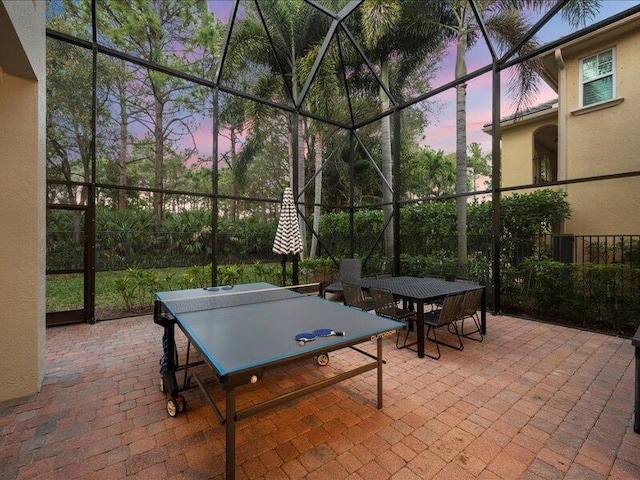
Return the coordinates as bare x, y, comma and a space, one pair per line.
470, 306
354, 297
444, 317
385, 306
350, 271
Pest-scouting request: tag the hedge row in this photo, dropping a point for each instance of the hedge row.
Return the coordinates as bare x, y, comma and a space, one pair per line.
603, 298
127, 238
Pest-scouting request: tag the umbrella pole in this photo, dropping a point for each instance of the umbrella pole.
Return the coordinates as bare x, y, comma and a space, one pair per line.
284, 269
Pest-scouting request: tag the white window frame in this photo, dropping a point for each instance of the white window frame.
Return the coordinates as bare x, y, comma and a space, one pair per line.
612, 75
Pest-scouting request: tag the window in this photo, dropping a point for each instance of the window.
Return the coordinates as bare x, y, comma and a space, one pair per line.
597, 78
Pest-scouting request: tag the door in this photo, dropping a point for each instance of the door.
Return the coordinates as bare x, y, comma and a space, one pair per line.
67, 276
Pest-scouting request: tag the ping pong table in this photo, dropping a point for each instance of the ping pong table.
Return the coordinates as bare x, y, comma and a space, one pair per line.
242, 331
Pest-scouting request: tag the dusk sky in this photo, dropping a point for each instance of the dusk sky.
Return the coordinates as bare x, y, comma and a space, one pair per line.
440, 134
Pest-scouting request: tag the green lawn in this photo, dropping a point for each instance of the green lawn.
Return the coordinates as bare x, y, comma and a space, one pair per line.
65, 292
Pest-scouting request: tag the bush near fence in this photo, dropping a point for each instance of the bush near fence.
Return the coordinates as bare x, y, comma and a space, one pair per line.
597, 297
127, 238
601, 297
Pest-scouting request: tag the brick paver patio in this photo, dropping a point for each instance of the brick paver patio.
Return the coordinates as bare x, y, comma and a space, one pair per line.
532, 401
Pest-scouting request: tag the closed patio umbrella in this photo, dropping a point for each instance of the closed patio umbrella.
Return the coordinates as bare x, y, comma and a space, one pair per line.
287, 239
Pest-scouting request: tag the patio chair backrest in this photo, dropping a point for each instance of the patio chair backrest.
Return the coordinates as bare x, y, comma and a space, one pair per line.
471, 302
350, 269
353, 296
383, 302
450, 309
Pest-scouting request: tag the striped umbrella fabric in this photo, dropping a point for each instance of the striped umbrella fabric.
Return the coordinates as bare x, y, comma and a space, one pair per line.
287, 239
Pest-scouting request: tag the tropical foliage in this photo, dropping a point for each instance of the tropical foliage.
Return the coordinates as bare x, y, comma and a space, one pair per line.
128, 238
296, 93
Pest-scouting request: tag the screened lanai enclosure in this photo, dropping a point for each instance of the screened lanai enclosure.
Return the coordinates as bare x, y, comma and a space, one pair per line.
473, 139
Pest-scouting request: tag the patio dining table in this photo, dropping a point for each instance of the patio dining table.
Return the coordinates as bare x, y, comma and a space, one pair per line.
424, 291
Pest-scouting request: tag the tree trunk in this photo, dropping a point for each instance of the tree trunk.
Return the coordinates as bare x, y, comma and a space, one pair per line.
301, 182
233, 187
122, 151
317, 210
158, 163
301, 171
461, 149
387, 160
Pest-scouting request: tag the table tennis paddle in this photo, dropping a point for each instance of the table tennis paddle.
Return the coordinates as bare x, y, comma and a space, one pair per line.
327, 332
303, 338
217, 289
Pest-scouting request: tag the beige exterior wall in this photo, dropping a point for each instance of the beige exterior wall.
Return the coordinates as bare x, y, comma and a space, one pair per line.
518, 150
22, 197
603, 142
598, 141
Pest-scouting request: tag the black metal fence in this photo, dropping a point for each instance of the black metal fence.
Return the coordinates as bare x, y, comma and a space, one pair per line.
580, 249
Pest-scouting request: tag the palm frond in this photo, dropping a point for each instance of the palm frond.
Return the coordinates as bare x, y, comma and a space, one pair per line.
379, 19
507, 30
579, 12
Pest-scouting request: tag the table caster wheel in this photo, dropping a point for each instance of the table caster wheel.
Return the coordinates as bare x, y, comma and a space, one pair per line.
181, 403
323, 359
172, 408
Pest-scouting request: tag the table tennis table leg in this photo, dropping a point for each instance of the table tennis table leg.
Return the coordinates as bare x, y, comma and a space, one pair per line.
169, 370
379, 342
230, 430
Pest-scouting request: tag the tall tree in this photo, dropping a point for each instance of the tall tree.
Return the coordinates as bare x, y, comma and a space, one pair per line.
430, 173
271, 39
399, 35
479, 164
232, 121
506, 24
326, 86
170, 33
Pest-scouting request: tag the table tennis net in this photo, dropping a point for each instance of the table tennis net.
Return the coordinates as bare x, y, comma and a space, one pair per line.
227, 300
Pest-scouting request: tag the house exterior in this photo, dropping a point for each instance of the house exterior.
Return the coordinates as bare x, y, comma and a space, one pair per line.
591, 129
22, 196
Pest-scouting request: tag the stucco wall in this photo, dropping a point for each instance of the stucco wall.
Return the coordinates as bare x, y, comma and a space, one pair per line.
517, 150
599, 142
22, 201
605, 142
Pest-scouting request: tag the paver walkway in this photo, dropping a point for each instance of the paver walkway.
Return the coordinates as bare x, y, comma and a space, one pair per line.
532, 401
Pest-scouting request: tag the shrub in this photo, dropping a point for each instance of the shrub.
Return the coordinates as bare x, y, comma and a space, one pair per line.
197, 276
267, 272
138, 287
598, 297
314, 270
230, 274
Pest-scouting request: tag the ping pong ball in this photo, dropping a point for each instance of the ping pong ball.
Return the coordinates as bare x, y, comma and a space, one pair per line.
254, 379
301, 342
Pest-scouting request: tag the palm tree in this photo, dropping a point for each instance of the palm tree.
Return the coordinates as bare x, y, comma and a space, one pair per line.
327, 87
292, 29
396, 34
506, 25
432, 173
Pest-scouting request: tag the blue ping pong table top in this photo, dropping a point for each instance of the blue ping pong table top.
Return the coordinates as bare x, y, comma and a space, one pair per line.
244, 337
